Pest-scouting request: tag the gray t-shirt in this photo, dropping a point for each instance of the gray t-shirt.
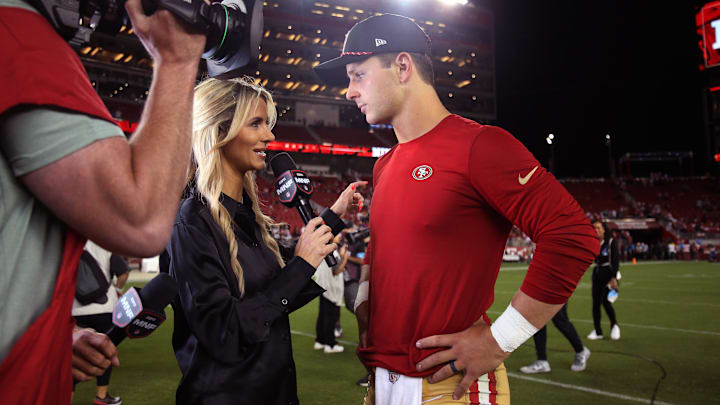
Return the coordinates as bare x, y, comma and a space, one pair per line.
31, 238
17, 3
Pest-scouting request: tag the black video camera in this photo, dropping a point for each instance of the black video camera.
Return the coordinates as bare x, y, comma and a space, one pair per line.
233, 27
352, 238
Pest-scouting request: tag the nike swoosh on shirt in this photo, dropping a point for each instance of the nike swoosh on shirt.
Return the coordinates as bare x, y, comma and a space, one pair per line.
523, 180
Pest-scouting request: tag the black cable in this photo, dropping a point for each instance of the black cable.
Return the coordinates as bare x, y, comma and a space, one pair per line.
657, 363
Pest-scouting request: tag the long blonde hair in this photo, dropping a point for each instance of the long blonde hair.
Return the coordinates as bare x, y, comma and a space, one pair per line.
221, 108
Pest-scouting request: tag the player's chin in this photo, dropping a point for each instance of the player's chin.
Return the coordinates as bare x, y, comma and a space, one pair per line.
374, 119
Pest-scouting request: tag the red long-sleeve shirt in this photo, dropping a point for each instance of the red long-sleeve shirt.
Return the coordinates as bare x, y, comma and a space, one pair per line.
443, 206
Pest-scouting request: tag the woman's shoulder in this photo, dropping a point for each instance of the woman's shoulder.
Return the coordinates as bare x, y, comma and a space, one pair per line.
192, 211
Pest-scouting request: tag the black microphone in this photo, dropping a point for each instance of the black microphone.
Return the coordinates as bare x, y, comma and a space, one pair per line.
293, 188
139, 312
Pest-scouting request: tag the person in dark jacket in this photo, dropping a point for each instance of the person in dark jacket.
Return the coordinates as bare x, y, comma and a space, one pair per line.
604, 278
232, 331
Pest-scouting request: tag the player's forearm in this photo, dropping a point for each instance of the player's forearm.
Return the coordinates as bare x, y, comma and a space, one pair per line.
520, 321
561, 258
536, 312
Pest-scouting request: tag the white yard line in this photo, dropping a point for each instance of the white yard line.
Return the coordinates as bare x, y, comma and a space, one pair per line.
625, 299
585, 389
345, 342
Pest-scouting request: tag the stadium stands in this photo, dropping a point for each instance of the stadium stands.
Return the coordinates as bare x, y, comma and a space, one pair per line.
596, 195
285, 132
348, 136
690, 204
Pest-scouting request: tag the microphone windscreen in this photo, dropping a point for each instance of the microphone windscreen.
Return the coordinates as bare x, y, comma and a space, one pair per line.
158, 293
281, 163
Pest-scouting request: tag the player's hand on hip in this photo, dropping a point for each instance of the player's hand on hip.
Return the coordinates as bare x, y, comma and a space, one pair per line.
348, 198
313, 244
474, 352
166, 38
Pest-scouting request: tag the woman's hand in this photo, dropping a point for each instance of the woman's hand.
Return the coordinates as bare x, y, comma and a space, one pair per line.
313, 244
349, 197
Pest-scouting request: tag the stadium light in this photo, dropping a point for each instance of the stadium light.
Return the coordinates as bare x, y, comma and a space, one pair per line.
607, 136
551, 136
549, 140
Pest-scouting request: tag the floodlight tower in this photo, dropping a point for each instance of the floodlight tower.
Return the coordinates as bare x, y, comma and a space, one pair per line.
551, 163
611, 163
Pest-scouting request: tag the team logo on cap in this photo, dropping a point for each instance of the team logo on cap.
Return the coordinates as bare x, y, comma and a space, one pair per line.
422, 172
379, 42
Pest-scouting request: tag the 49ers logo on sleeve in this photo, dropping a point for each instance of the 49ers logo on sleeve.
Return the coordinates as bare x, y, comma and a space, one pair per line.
422, 172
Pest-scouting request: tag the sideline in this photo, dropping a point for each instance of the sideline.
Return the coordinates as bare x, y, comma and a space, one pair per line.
585, 389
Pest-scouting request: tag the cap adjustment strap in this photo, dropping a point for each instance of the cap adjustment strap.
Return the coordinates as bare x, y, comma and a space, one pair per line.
356, 53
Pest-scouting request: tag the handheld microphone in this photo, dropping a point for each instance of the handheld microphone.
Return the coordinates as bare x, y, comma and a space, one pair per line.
293, 188
139, 313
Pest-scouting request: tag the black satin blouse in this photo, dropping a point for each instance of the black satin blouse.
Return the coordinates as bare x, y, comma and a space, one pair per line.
234, 350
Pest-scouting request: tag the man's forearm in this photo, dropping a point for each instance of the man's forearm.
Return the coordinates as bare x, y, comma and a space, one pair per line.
161, 146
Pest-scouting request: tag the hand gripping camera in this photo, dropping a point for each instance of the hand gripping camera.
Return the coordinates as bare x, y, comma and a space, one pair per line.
233, 27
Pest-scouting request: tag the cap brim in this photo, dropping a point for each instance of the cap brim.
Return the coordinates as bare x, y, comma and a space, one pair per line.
333, 72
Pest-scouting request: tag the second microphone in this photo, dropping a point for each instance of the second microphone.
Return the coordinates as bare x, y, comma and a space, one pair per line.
293, 188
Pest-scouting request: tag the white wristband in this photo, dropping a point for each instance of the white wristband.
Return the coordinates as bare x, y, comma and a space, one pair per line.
511, 329
362, 294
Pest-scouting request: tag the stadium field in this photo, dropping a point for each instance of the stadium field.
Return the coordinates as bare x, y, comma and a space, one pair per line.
669, 313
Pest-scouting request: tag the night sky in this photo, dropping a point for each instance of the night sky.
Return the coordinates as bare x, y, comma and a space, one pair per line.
581, 69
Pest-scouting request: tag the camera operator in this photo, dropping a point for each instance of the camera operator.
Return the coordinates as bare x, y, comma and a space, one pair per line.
67, 168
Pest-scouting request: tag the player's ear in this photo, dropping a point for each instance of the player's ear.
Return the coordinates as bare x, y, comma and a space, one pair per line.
405, 66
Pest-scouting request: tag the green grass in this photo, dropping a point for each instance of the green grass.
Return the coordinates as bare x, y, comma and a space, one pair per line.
669, 313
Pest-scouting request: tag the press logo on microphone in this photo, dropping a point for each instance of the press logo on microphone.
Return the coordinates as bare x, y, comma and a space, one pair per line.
284, 185
422, 172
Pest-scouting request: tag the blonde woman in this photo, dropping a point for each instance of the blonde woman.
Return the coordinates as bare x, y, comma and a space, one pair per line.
232, 333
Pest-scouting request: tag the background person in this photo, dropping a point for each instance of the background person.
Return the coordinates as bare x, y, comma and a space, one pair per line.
331, 279
232, 331
562, 322
67, 170
98, 316
604, 278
